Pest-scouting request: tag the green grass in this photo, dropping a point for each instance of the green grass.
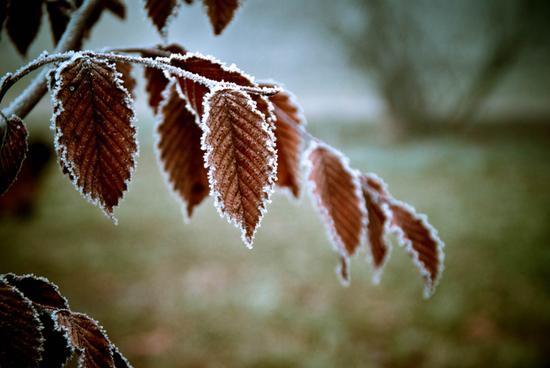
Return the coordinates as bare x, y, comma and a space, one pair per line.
191, 295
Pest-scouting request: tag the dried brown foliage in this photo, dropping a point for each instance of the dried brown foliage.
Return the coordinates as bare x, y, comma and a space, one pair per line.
180, 153
37, 328
94, 130
219, 132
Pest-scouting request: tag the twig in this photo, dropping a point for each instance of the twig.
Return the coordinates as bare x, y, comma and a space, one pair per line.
158, 63
72, 36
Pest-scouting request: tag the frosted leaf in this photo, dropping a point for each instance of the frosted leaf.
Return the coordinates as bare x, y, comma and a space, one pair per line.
240, 157
125, 75
13, 149
94, 129
379, 223
87, 338
335, 190
414, 232
289, 120
38, 289
421, 242
21, 340
178, 143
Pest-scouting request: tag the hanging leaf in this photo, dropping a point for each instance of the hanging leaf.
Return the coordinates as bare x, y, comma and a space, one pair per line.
414, 232
179, 150
59, 13
155, 79
23, 22
336, 191
38, 289
208, 67
421, 241
94, 129
240, 157
220, 13
288, 118
87, 338
379, 221
128, 81
21, 340
159, 11
13, 149
116, 7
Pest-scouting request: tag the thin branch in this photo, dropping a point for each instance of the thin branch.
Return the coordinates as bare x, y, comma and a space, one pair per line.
158, 63
70, 40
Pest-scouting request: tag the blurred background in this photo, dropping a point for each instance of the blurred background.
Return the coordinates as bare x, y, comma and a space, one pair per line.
448, 101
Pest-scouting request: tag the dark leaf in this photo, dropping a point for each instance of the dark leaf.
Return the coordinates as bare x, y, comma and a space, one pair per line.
39, 290
119, 359
241, 158
57, 349
13, 149
220, 13
179, 148
336, 191
288, 118
155, 80
87, 338
116, 7
159, 11
59, 13
23, 22
21, 340
94, 130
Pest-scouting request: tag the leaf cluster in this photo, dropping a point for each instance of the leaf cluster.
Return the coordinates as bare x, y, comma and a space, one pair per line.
38, 328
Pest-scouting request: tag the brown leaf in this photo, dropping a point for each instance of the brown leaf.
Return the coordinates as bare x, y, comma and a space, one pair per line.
13, 149
379, 216
23, 22
215, 70
38, 289
155, 80
241, 158
421, 241
21, 340
159, 11
128, 81
288, 118
87, 338
46, 296
414, 232
179, 149
220, 13
59, 13
336, 191
94, 129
